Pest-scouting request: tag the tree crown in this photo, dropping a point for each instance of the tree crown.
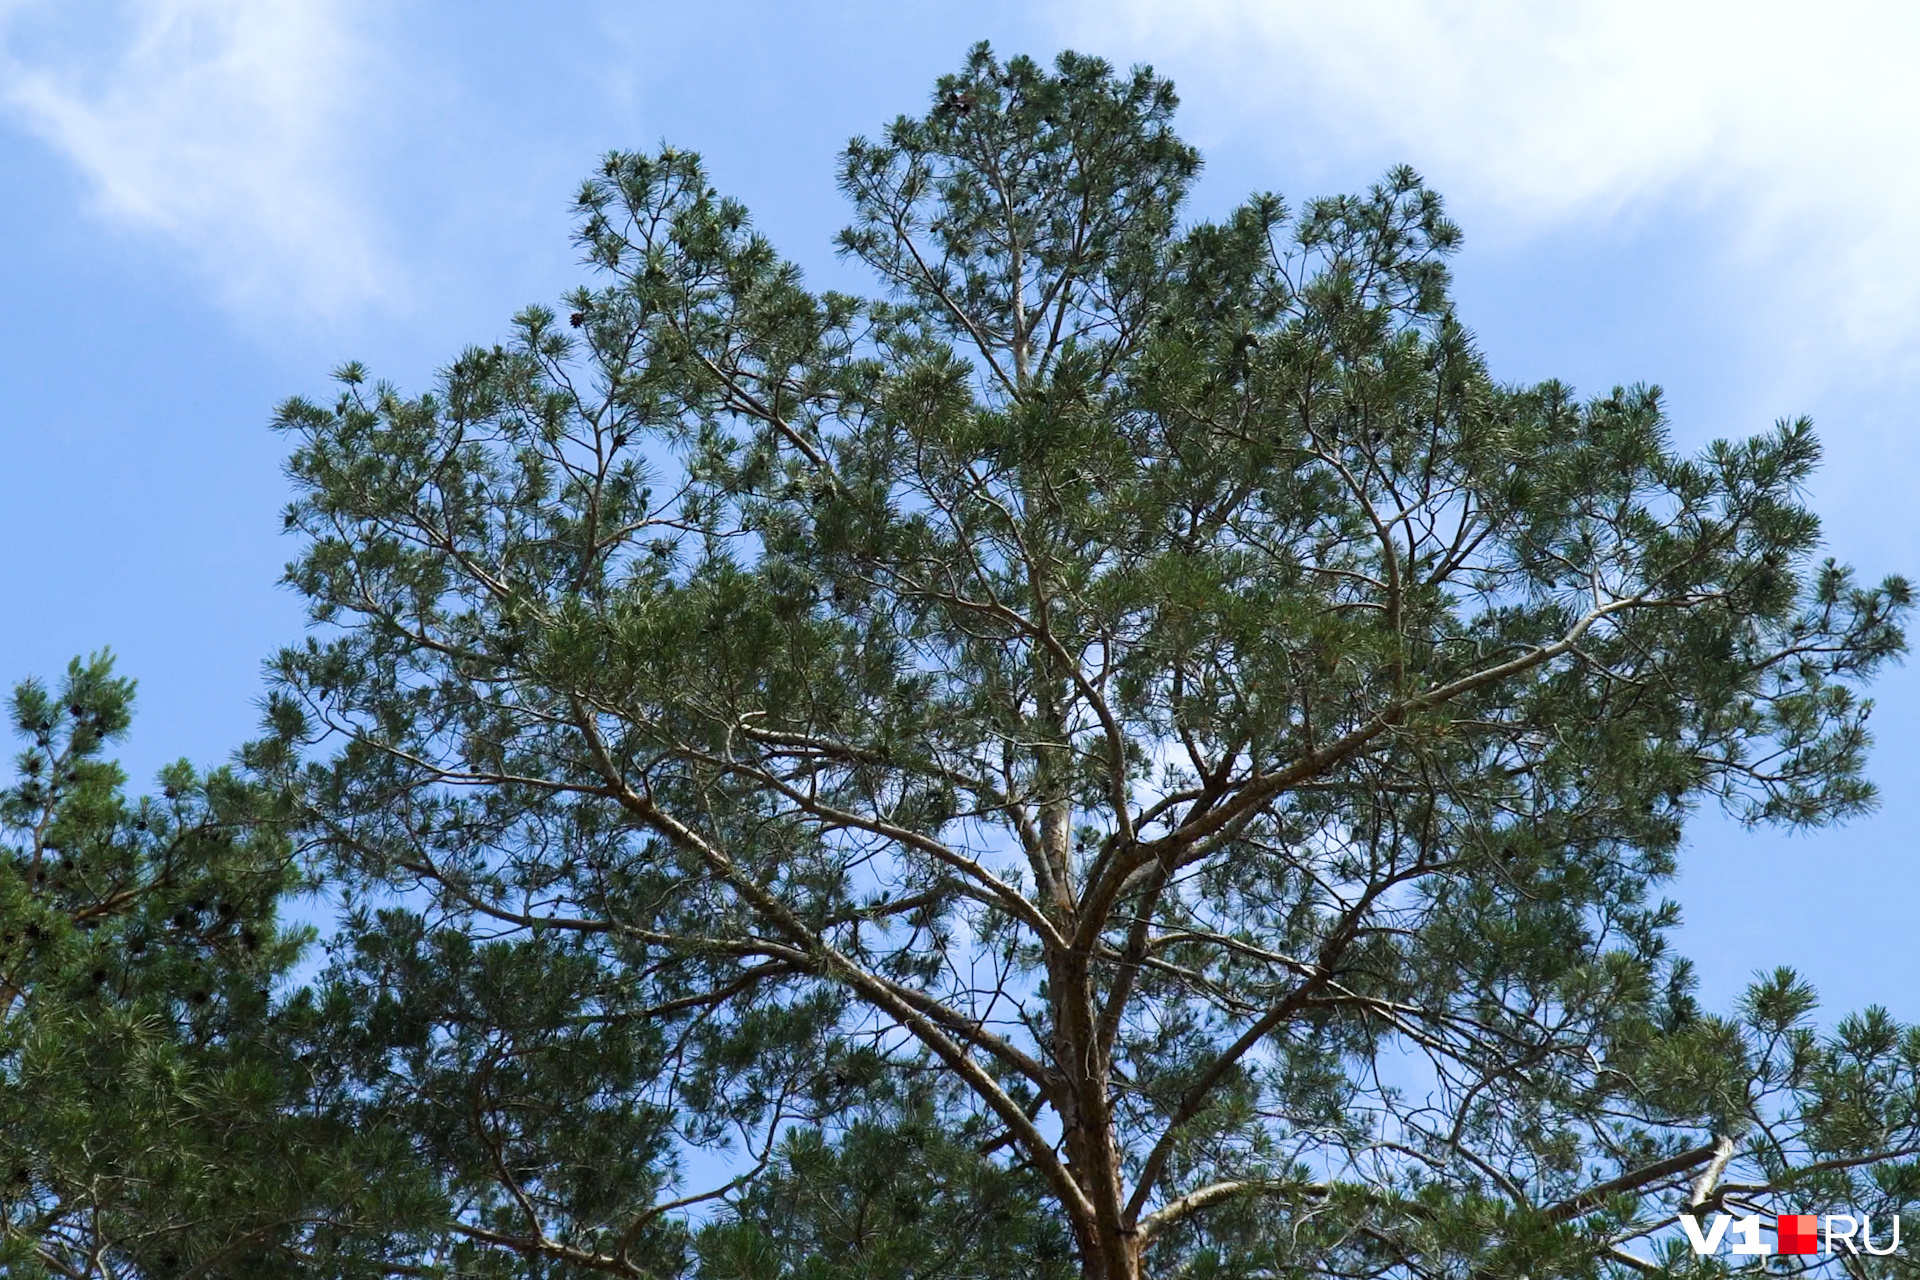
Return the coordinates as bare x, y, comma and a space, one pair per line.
1144, 676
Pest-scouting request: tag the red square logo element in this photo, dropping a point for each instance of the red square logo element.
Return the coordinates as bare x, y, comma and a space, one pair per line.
1797, 1233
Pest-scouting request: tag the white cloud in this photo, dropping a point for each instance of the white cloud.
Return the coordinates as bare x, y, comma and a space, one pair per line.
1794, 126
220, 124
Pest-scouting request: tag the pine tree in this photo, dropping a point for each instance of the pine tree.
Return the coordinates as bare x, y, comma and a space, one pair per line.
1128, 752
139, 948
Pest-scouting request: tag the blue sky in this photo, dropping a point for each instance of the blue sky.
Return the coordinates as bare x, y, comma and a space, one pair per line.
208, 204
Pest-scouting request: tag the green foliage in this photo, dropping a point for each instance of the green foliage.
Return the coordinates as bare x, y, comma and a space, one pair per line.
1149, 677
892, 1193
1130, 753
139, 946
499, 1077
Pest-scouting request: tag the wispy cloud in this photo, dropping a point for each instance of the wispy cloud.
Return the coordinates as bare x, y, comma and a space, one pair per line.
223, 125
1794, 126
